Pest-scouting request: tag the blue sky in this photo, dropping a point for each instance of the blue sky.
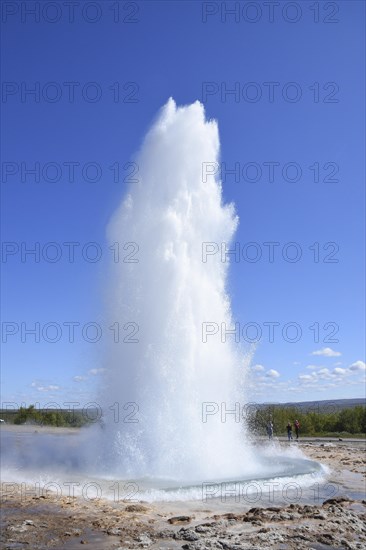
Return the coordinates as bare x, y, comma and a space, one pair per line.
292, 127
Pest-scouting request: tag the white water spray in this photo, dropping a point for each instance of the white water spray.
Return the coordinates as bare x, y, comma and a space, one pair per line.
168, 294
165, 446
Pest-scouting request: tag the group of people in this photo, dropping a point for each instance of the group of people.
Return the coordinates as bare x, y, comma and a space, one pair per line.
288, 428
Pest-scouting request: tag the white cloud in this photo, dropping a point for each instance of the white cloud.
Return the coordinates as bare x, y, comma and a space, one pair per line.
322, 372
340, 371
41, 386
327, 352
48, 388
79, 378
306, 377
358, 366
258, 368
312, 379
94, 372
272, 373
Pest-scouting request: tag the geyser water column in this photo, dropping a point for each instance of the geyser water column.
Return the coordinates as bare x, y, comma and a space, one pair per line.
162, 286
164, 369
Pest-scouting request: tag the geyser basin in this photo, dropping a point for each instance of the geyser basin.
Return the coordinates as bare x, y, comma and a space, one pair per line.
57, 463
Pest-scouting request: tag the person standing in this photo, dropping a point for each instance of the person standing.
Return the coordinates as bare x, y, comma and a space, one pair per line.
289, 430
297, 428
270, 429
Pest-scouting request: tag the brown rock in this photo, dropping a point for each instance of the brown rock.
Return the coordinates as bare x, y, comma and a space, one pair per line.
336, 500
179, 519
136, 508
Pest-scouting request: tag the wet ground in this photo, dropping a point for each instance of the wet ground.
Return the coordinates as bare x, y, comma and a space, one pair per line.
331, 515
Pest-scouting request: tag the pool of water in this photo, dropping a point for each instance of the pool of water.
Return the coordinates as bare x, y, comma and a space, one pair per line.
57, 462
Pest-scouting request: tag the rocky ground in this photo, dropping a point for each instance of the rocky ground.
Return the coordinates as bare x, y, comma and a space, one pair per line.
339, 522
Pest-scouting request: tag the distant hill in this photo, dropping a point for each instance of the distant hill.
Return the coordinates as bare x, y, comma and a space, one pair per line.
321, 406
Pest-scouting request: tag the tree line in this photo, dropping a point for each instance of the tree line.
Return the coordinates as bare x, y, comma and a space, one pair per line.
350, 420
346, 421
42, 417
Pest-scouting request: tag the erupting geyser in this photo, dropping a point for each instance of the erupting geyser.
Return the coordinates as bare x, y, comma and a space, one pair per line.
167, 291
160, 374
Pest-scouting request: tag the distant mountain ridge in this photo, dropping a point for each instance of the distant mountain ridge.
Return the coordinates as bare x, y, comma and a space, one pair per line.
325, 405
